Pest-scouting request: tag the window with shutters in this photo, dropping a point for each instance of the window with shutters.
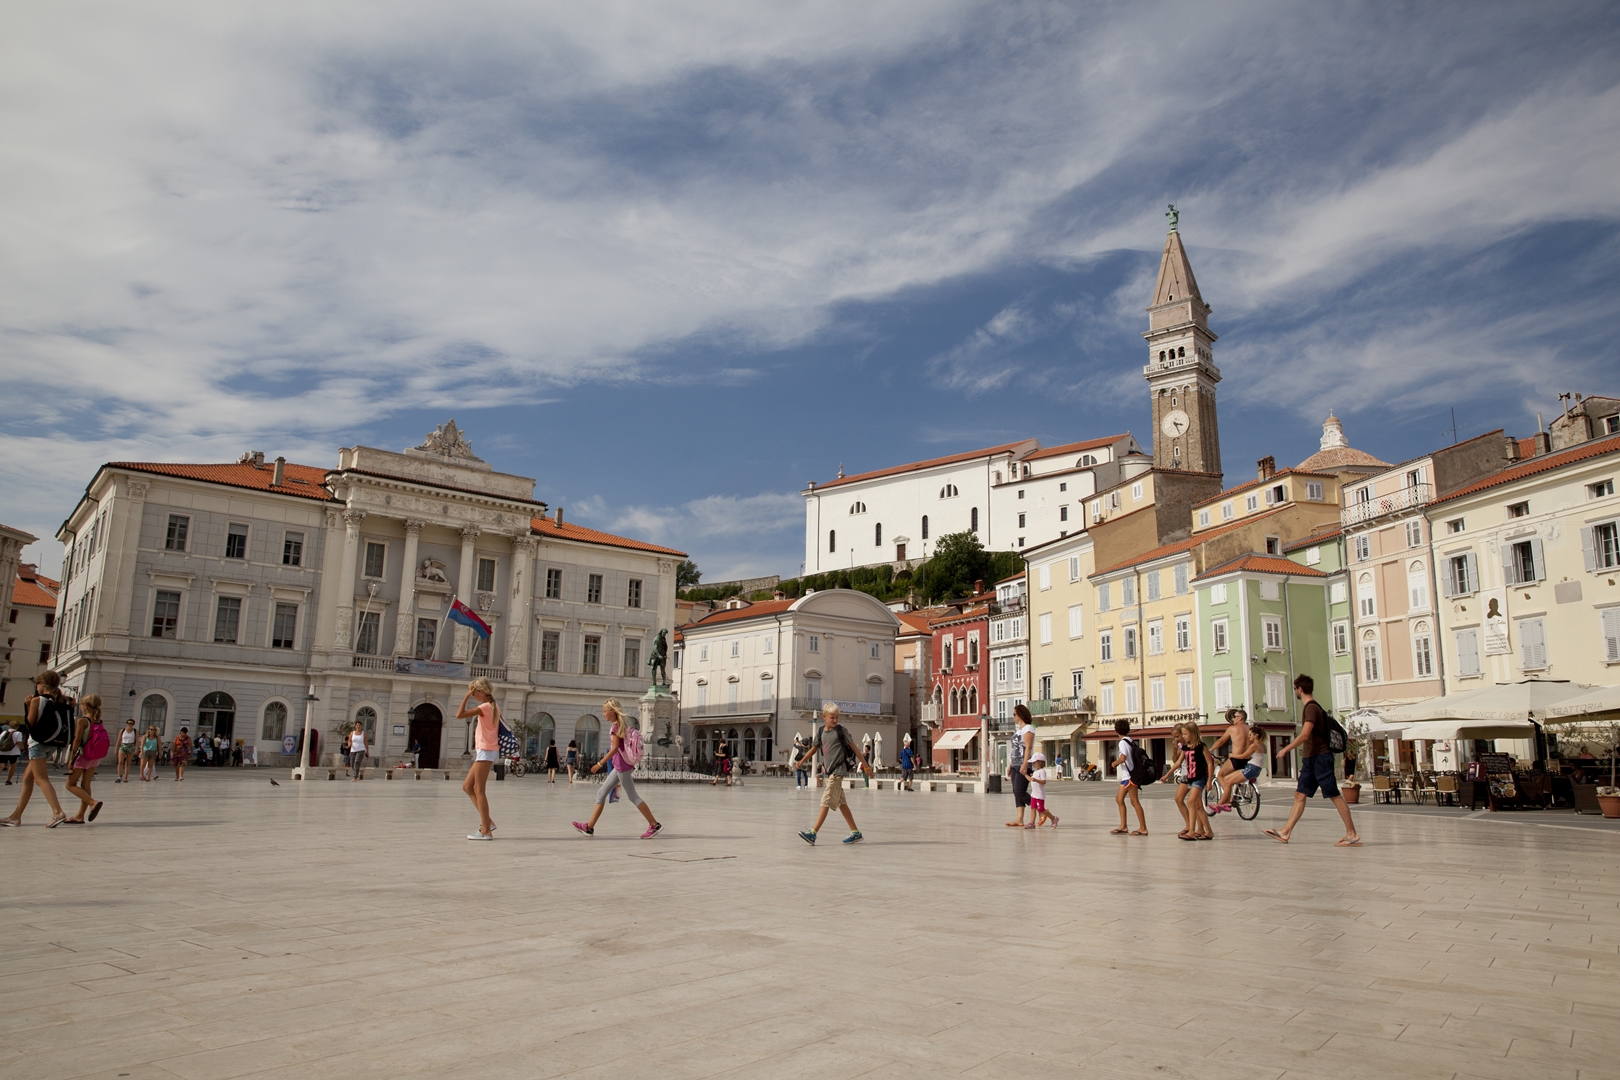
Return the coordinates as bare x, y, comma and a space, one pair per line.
1468, 653
1077, 621
1252, 503
1522, 563
1600, 490
1366, 603
1105, 646
1001, 672
1156, 693
1130, 643
1461, 577
1341, 638
1181, 579
1133, 696
1422, 656
1271, 632
1276, 695
1611, 635
1046, 627
1519, 510
1456, 525
1313, 490
1532, 644
1602, 546
1414, 534
1183, 633
1203, 519
1363, 548
1127, 592
1106, 699
1369, 658
1104, 596
1226, 511
1223, 692
1184, 690
1417, 586
1077, 682
1074, 568
1151, 584
1046, 576
1217, 593
1218, 635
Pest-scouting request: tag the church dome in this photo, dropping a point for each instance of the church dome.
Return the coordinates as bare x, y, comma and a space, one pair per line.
1336, 453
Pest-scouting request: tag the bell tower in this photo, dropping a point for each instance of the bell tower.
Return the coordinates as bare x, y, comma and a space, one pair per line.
1181, 372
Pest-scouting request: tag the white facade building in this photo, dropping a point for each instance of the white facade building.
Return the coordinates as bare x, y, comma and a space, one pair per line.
1014, 496
218, 596
30, 630
1009, 661
755, 674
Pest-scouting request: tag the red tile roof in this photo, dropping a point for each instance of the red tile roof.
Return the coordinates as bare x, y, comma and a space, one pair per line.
1075, 447
1255, 563
1332, 532
920, 621
1257, 482
548, 527
303, 481
1166, 550
919, 465
1545, 463
752, 611
28, 594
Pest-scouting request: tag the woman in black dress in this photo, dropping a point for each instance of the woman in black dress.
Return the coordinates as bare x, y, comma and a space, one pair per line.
551, 762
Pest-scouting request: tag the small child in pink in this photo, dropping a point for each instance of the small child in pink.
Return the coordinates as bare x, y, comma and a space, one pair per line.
1038, 776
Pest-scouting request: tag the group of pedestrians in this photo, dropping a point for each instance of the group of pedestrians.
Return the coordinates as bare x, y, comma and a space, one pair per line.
1195, 765
49, 723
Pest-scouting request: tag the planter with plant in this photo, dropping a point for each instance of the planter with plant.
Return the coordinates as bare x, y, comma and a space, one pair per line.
1355, 749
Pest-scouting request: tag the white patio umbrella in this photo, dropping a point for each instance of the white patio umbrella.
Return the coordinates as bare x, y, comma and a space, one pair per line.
1598, 703
1503, 701
1468, 729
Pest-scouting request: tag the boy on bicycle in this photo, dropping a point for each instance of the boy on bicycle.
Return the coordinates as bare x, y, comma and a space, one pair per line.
1246, 747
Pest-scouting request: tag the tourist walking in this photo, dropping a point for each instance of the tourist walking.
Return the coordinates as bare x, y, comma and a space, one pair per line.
801, 771
1123, 764
1023, 743
838, 752
12, 741
722, 763
151, 742
624, 753
357, 751
1246, 756
1193, 758
487, 747
908, 765
129, 750
572, 761
1315, 767
90, 746
180, 752
551, 762
46, 709
1039, 776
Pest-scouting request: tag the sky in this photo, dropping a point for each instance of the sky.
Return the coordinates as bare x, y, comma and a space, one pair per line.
676, 260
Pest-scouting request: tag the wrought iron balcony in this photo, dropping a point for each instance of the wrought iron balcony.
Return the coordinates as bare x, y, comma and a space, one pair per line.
1408, 498
1054, 706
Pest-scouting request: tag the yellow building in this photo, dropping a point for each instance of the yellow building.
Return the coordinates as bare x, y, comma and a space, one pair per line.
1061, 654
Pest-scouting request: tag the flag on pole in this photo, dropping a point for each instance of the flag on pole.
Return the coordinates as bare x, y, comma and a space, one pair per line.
466, 616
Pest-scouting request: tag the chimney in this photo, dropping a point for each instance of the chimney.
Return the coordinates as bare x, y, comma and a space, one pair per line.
557, 517
258, 459
1543, 443
1512, 448
978, 586
278, 477
1266, 467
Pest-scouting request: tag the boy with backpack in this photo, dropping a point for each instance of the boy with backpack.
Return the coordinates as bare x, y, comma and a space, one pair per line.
1320, 736
837, 751
1133, 767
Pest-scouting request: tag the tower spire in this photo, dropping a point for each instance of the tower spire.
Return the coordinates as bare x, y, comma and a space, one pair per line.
1181, 371
1176, 281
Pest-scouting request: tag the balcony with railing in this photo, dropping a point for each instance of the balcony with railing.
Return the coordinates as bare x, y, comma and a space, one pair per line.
1407, 498
1063, 706
373, 663
930, 713
849, 708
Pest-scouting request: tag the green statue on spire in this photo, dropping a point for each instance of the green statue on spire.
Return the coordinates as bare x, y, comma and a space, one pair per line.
1174, 215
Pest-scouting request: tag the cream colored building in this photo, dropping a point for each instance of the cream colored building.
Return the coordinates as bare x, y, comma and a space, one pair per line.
30, 628
753, 675
1529, 562
1062, 659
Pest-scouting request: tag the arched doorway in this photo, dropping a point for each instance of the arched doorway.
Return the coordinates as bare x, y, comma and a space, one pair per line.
588, 733
216, 715
427, 732
545, 728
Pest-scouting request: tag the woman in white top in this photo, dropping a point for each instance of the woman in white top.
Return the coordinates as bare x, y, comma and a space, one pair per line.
357, 751
129, 748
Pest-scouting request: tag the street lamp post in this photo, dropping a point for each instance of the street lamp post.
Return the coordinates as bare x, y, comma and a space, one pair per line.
309, 715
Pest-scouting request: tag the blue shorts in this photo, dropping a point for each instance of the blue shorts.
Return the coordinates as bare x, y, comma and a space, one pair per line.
1251, 771
1199, 784
39, 751
1317, 772
1124, 781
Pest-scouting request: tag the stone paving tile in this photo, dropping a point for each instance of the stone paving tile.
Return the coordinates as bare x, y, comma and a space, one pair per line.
350, 931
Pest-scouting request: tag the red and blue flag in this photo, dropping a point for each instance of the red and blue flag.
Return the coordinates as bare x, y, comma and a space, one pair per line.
466, 616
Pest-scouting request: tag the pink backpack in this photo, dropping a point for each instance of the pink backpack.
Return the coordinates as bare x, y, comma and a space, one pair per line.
96, 743
630, 746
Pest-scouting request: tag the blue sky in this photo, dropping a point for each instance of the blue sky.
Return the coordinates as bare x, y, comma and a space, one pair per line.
676, 260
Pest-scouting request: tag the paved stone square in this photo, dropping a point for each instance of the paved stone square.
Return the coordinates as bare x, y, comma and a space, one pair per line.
224, 927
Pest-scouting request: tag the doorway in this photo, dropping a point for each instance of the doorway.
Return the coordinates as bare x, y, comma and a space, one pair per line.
216, 715
427, 732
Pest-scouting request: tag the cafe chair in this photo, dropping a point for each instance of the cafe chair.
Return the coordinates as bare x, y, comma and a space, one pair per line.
1383, 790
1445, 790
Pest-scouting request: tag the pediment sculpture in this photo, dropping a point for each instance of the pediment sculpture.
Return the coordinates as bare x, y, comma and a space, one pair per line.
449, 441
432, 570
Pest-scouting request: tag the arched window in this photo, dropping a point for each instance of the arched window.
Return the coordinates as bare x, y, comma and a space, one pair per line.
948, 491
973, 701
155, 710
857, 508
275, 722
1161, 354
877, 534
366, 717
1182, 351
925, 527
1087, 459
547, 731
974, 520
766, 750
733, 744
748, 745
832, 539
588, 733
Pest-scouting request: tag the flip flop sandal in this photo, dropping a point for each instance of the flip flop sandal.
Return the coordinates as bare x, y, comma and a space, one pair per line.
1274, 835
1345, 841
94, 810
1111, 832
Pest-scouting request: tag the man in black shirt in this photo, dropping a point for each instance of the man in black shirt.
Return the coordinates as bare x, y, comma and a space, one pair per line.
1315, 767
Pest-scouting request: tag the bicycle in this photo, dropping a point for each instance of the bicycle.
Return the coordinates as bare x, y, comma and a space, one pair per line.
515, 766
1245, 797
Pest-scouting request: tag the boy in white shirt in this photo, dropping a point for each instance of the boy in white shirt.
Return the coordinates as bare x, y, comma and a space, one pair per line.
1039, 774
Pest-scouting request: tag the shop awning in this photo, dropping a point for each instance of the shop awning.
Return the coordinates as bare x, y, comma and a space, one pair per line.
1057, 732
956, 738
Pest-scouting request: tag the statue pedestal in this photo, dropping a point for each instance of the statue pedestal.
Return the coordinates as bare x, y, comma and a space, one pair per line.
660, 718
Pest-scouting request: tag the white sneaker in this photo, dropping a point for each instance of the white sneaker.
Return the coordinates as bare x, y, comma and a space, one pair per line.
479, 836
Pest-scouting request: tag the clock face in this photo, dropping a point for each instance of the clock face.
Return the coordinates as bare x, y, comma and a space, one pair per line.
1174, 423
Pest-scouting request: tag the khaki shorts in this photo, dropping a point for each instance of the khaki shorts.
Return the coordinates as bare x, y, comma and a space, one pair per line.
832, 794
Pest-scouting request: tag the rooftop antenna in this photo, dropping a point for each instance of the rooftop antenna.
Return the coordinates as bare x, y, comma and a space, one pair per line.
1453, 428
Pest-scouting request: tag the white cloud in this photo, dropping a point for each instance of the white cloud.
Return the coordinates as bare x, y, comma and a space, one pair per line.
728, 536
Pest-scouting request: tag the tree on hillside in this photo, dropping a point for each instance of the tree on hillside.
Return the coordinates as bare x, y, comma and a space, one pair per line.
687, 574
958, 561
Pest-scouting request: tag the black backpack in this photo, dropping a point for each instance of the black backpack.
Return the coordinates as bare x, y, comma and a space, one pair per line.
55, 724
1337, 739
1145, 769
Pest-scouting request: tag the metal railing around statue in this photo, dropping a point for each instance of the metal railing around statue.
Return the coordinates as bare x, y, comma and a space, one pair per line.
662, 767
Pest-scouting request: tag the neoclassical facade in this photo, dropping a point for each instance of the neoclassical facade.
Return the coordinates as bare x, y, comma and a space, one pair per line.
221, 597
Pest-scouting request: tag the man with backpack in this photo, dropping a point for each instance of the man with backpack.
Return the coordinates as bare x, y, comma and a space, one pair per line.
1134, 767
1319, 736
838, 752
50, 729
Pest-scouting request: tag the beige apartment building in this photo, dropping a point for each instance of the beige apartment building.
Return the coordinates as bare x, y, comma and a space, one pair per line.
1062, 657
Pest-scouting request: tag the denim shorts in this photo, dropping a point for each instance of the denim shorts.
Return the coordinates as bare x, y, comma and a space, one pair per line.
1251, 771
1317, 772
488, 755
39, 752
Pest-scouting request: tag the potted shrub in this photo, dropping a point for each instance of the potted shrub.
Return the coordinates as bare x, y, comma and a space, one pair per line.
1609, 797
1355, 748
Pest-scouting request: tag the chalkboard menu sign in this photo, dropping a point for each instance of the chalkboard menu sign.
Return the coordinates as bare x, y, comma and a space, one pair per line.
1497, 764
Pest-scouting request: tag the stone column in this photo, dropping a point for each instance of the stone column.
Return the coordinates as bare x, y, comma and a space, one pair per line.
464, 593
405, 623
520, 609
343, 631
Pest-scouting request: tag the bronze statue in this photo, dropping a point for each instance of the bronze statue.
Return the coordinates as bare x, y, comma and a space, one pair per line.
659, 660
1174, 215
